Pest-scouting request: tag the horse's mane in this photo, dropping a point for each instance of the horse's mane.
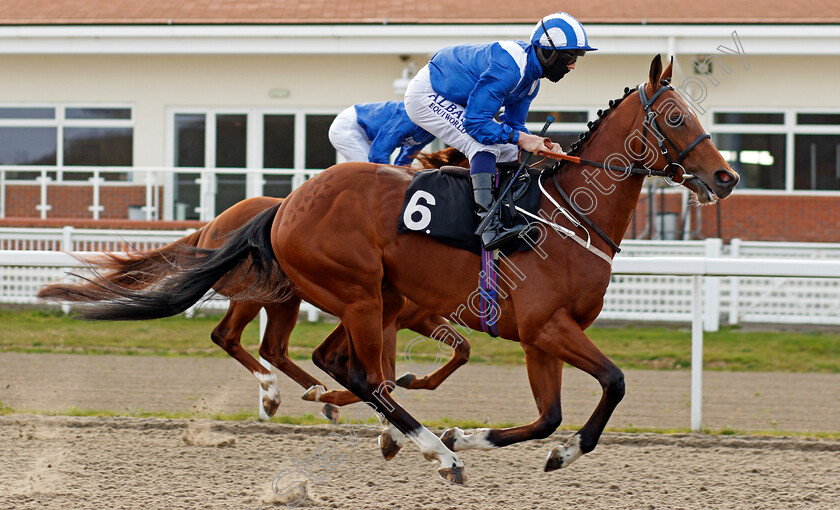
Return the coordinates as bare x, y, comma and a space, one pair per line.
448, 156
591, 126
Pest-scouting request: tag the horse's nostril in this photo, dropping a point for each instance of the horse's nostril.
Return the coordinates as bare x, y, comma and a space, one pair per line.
725, 179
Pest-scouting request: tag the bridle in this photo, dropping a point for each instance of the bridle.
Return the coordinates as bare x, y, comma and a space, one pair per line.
669, 172
650, 123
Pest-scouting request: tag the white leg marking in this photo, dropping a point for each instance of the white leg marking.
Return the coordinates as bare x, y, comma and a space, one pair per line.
397, 436
566, 453
314, 393
268, 382
475, 441
431, 448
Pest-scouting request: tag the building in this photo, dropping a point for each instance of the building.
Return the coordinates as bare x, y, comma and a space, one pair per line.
155, 109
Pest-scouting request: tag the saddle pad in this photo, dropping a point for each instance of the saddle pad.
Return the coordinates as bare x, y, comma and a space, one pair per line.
440, 204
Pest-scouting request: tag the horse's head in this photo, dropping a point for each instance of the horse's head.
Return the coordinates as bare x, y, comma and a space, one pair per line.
677, 143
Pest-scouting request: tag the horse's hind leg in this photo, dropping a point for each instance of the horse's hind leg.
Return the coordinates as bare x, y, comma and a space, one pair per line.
360, 370
564, 339
544, 374
227, 335
437, 328
282, 318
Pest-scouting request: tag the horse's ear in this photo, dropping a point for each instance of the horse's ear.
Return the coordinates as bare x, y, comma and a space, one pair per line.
655, 71
666, 74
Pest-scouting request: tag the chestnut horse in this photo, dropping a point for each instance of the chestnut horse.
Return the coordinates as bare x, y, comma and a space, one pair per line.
141, 269
336, 240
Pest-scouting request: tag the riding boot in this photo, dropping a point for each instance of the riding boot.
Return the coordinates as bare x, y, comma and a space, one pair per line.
495, 234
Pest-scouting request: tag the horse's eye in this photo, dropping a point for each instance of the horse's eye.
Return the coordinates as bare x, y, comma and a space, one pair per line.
675, 119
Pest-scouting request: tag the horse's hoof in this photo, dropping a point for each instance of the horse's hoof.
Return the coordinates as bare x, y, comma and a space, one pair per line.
554, 461
563, 455
405, 380
449, 437
270, 406
387, 445
331, 412
313, 393
453, 475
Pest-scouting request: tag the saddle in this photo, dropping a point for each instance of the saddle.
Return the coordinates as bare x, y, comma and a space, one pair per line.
439, 203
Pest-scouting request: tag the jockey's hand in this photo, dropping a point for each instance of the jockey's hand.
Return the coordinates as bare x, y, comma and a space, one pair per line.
534, 143
555, 148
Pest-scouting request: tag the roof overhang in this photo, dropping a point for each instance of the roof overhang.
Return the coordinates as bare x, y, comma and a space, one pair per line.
400, 39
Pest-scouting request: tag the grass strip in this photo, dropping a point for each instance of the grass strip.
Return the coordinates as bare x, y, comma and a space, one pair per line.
630, 347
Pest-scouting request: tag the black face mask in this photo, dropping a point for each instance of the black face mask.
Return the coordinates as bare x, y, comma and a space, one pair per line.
556, 71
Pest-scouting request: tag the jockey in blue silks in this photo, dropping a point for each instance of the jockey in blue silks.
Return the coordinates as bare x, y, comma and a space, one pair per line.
372, 131
458, 94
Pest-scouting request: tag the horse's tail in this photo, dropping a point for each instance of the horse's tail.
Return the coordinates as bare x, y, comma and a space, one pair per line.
133, 269
185, 284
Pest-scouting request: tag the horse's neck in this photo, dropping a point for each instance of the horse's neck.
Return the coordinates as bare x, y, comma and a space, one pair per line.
616, 194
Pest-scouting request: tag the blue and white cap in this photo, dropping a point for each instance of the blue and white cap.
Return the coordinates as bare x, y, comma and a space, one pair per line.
565, 31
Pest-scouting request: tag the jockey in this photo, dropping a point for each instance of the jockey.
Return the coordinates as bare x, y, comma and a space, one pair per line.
458, 94
371, 132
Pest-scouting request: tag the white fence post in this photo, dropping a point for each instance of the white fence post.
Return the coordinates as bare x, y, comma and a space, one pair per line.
2, 193
149, 207
66, 246
711, 310
735, 252
96, 183
264, 363
697, 353
43, 206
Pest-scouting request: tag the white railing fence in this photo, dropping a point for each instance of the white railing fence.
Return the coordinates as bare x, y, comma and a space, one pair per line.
157, 185
662, 297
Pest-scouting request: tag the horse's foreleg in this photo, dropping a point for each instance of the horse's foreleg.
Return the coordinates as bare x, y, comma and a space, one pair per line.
436, 327
227, 335
544, 374
563, 338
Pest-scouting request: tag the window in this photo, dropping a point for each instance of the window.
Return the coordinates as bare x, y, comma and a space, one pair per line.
567, 125
87, 136
278, 152
790, 150
817, 162
758, 158
566, 116
231, 148
190, 147
319, 151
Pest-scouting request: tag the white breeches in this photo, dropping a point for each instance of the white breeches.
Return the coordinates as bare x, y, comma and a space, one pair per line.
444, 119
348, 137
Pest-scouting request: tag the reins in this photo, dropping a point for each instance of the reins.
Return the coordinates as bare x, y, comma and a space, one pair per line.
669, 172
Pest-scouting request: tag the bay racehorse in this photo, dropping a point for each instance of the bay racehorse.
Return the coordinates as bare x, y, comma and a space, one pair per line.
141, 269
336, 240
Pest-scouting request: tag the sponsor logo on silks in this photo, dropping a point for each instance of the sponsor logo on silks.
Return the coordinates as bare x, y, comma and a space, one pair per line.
410, 141
447, 110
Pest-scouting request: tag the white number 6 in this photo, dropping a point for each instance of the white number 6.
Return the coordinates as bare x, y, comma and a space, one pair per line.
414, 207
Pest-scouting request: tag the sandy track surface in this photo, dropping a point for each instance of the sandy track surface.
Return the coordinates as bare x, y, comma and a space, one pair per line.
95, 463
487, 394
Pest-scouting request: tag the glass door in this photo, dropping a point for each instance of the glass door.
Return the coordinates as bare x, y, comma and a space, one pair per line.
231, 152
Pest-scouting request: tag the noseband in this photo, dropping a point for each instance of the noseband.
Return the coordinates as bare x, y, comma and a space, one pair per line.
651, 124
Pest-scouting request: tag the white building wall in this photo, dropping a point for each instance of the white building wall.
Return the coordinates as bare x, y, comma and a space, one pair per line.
329, 83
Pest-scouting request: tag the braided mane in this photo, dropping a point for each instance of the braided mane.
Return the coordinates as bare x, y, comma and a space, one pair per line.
592, 126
